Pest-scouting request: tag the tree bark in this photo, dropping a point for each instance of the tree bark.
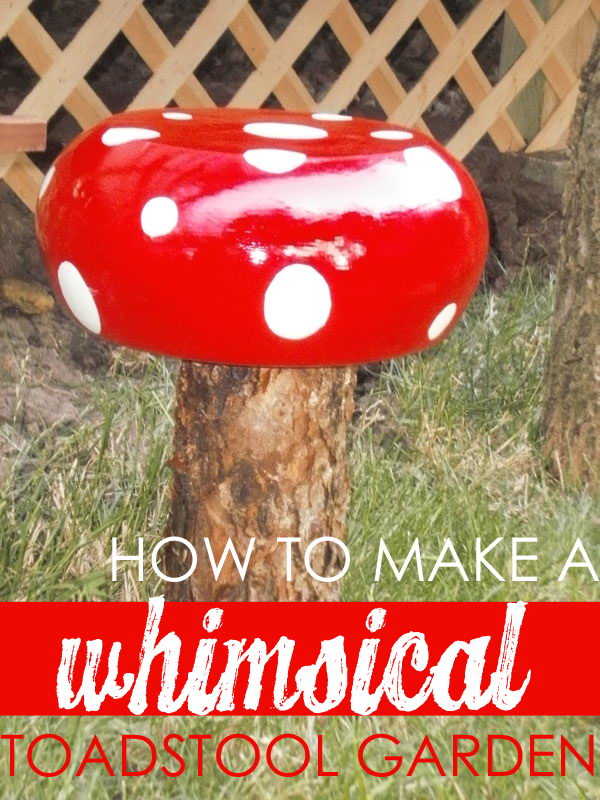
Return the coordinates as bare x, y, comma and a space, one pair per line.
572, 380
259, 452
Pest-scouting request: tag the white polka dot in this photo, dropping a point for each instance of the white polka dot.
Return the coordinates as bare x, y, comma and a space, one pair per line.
325, 117
391, 135
258, 255
78, 297
433, 172
159, 216
115, 136
274, 161
284, 130
441, 322
46, 182
297, 302
176, 115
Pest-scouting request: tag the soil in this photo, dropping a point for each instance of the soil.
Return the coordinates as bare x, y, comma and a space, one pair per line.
47, 363
523, 197
44, 377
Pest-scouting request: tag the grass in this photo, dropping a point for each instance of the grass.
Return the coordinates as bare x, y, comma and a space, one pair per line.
446, 444
73, 490
449, 445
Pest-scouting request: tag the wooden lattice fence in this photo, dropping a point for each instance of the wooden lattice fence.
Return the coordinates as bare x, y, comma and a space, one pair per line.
174, 68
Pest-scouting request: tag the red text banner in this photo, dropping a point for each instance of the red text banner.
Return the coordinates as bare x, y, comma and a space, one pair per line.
299, 658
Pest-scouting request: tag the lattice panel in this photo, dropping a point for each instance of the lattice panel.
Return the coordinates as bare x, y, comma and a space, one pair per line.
272, 79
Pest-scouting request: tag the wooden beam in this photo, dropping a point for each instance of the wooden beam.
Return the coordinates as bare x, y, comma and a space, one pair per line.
383, 81
518, 75
555, 131
439, 72
370, 55
38, 48
20, 134
470, 77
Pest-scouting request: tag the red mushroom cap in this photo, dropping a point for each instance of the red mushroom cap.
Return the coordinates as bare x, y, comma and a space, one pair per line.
261, 237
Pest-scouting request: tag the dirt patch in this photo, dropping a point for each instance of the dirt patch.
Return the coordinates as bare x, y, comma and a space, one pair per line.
46, 376
523, 196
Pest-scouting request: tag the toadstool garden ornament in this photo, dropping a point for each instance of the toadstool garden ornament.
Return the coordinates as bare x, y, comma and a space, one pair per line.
270, 251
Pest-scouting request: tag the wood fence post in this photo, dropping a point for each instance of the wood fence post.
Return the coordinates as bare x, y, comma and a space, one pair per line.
20, 134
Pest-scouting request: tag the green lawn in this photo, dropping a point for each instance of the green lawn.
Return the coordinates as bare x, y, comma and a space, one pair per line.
446, 444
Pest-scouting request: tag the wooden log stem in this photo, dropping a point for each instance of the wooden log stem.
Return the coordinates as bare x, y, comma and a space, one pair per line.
259, 453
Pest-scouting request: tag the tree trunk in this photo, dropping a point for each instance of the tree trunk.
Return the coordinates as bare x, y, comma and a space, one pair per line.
259, 452
572, 381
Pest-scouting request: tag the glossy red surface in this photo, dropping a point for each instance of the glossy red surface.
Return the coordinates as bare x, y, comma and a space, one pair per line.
206, 235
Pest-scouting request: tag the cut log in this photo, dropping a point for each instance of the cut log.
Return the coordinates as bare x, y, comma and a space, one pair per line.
259, 453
